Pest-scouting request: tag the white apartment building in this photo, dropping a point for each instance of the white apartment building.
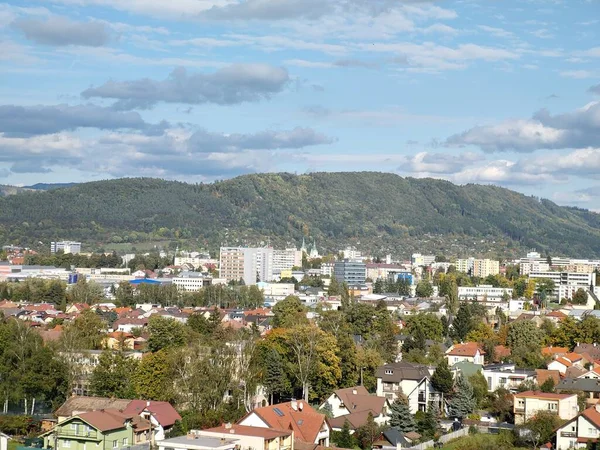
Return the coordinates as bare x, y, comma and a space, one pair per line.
506, 376
422, 260
191, 281
527, 404
351, 254
484, 292
327, 269
65, 247
534, 262
286, 260
566, 283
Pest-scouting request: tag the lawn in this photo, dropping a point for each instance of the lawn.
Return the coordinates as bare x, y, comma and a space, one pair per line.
481, 442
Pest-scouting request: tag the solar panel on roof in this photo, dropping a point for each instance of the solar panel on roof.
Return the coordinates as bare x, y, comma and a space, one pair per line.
300, 422
278, 412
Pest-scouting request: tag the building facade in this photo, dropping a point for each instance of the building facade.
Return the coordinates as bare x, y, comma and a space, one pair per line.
350, 272
65, 247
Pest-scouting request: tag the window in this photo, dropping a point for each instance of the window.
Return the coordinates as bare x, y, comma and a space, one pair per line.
389, 372
115, 444
66, 444
124, 441
592, 431
73, 426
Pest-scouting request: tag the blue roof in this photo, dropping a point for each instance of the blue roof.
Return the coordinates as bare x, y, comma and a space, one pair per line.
145, 281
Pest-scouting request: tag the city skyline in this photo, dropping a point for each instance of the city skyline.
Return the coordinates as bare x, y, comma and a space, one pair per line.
469, 91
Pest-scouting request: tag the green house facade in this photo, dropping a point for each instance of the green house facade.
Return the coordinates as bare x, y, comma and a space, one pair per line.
98, 430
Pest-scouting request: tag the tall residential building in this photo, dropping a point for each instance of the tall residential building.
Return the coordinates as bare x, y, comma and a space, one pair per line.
478, 267
350, 272
65, 247
566, 283
422, 260
256, 264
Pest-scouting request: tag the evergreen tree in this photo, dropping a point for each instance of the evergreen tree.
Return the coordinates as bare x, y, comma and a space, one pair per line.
462, 323
442, 378
463, 402
368, 433
548, 385
430, 424
276, 380
400, 417
378, 286
345, 439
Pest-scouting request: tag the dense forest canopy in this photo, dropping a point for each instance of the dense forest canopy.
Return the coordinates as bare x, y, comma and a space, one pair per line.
378, 212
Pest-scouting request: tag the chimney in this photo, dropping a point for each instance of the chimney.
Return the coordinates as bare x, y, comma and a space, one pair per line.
300, 406
597, 406
294, 405
228, 426
354, 391
147, 404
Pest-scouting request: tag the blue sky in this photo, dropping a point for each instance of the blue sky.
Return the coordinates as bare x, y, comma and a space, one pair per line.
487, 91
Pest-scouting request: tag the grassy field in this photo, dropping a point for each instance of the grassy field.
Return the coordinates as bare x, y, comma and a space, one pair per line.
481, 442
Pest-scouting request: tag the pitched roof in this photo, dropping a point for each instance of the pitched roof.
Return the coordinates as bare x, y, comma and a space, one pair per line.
564, 361
592, 415
76, 405
592, 349
550, 351
501, 351
243, 430
402, 371
304, 420
105, 420
355, 420
164, 412
466, 349
579, 384
543, 395
543, 374
357, 399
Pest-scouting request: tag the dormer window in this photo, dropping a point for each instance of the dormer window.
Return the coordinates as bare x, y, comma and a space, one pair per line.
389, 372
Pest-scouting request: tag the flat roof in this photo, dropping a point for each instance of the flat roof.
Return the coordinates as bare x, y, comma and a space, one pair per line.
198, 442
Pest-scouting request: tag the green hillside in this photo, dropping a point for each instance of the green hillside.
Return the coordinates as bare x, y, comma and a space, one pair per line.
374, 211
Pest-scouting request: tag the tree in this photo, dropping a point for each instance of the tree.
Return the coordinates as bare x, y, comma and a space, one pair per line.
441, 379
289, 312
544, 287
542, 427
345, 439
275, 378
463, 323
113, 375
165, 333
378, 286
463, 401
86, 332
502, 405
424, 289
153, 379
88, 292
429, 324
480, 333
580, 297
452, 302
523, 333
368, 433
430, 423
548, 385
400, 417
480, 388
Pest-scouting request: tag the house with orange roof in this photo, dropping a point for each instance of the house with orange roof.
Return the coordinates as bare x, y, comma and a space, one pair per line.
527, 404
560, 364
307, 424
118, 340
556, 316
543, 374
469, 351
554, 352
593, 374
580, 431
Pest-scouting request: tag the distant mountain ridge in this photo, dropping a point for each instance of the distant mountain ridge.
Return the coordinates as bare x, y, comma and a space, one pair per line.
379, 212
49, 186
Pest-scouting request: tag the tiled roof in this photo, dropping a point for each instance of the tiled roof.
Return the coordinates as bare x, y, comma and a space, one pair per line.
76, 405
357, 399
592, 415
164, 412
402, 371
542, 395
549, 351
355, 420
466, 349
564, 361
543, 374
306, 423
105, 420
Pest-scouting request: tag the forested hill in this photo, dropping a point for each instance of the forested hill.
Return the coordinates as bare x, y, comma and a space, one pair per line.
375, 211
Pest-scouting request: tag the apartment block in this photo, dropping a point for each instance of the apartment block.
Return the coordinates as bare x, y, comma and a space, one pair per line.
350, 272
527, 404
65, 247
478, 267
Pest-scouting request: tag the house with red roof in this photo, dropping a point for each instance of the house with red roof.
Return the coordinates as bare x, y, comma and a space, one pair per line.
580, 431
161, 415
307, 424
469, 351
527, 404
354, 404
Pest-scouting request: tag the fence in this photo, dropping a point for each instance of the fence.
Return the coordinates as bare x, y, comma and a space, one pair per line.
445, 438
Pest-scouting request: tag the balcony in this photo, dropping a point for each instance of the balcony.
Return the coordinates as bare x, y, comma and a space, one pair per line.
422, 397
519, 409
77, 434
568, 434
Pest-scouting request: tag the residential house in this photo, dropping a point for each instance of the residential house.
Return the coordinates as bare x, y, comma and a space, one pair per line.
308, 425
108, 429
563, 363
506, 376
543, 374
410, 380
593, 374
469, 351
591, 388
556, 317
119, 340
554, 352
128, 324
257, 438
591, 349
527, 404
161, 415
354, 404
580, 431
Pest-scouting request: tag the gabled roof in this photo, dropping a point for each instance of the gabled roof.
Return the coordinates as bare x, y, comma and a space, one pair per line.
592, 415
543, 374
564, 361
164, 412
579, 384
357, 399
543, 395
76, 405
592, 349
355, 420
402, 371
105, 420
551, 351
468, 349
304, 420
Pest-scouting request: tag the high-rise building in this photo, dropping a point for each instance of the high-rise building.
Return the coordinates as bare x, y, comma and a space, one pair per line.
65, 247
422, 260
350, 272
478, 267
256, 264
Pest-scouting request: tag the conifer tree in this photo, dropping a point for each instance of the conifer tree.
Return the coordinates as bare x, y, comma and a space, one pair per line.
463, 401
400, 417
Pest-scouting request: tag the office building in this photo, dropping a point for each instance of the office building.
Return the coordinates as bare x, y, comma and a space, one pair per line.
481, 268
350, 272
65, 247
256, 264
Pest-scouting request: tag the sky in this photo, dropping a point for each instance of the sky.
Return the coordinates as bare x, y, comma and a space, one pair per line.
503, 92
